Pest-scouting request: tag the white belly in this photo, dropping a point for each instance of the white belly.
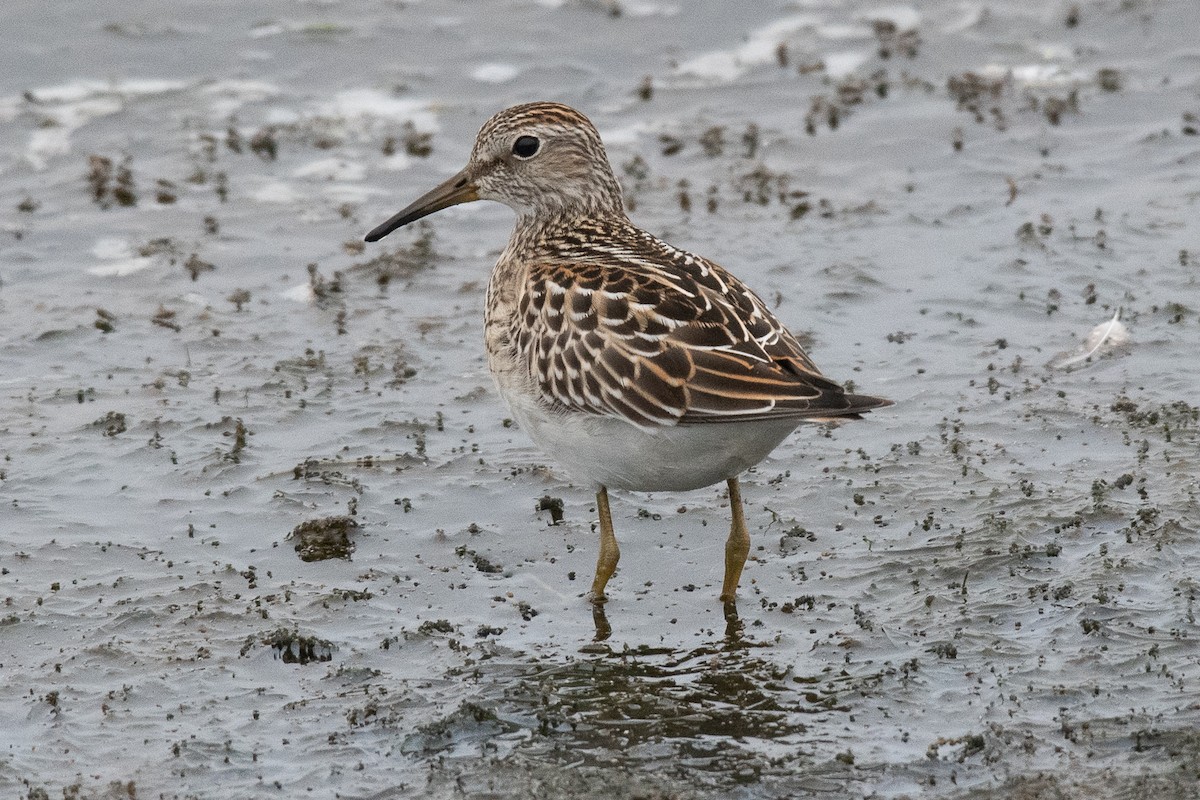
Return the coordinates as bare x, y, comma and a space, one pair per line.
607, 451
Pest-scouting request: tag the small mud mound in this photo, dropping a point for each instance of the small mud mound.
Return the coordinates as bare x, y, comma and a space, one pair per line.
325, 538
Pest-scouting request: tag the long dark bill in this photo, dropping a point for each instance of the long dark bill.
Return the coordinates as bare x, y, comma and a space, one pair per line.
458, 189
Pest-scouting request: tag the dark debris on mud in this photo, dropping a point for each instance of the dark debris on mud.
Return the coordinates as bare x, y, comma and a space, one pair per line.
325, 538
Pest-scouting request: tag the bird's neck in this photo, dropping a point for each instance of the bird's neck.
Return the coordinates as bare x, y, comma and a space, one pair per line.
548, 226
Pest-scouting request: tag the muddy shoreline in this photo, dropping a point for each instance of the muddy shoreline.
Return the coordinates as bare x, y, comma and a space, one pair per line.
268, 529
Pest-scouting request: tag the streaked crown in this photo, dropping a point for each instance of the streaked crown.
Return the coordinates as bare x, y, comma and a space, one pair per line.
544, 159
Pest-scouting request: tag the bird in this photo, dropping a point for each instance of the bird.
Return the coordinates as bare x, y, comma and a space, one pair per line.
636, 365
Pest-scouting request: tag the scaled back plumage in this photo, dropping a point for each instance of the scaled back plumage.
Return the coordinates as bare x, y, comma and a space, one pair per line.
617, 322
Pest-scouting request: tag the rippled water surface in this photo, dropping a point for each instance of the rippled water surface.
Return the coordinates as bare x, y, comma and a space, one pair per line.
266, 530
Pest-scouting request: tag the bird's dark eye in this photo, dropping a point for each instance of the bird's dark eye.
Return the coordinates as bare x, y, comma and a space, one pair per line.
526, 146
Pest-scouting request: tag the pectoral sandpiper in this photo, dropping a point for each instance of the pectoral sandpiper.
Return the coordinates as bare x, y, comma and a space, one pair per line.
634, 364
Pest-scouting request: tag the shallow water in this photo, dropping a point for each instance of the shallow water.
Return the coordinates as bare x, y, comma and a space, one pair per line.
988, 590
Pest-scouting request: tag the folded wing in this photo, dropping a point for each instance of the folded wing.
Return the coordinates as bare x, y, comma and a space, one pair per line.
667, 338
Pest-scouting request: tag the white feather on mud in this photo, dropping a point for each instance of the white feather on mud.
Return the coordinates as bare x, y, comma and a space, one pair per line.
1104, 338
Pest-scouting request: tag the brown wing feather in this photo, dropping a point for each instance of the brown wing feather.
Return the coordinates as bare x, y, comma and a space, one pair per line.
634, 328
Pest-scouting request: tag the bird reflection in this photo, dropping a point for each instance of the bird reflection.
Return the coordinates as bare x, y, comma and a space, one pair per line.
600, 620
734, 627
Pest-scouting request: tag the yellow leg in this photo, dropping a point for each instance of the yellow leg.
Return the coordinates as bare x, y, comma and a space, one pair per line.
737, 546
610, 553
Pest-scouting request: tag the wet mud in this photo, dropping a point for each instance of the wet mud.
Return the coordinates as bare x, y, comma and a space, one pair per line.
267, 530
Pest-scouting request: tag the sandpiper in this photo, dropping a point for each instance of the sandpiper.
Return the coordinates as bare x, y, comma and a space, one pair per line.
633, 363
